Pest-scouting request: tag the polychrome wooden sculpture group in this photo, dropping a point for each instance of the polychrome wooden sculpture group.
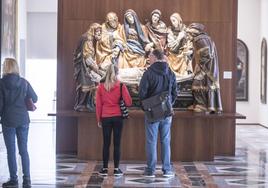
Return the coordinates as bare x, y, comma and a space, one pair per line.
190, 53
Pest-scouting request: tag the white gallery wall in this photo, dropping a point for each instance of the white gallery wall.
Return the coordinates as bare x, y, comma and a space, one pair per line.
42, 29
263, 108
248, 30
42, 5
41, 35
22, 22
41, 54
252, 27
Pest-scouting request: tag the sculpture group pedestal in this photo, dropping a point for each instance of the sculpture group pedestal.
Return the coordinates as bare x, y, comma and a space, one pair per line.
194, 137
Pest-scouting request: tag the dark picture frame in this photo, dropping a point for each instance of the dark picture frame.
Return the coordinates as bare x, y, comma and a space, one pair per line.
242, 65
263, 71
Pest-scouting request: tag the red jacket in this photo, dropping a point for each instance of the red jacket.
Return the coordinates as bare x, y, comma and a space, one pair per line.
107, 102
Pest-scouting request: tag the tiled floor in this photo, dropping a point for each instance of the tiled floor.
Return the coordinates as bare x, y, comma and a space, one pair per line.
247, 169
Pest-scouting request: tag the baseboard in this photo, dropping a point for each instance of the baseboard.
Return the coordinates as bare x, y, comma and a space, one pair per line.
248, 124
263, 126
252, 124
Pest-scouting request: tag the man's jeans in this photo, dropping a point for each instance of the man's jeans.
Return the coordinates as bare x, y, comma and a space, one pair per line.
151, 131
22, 138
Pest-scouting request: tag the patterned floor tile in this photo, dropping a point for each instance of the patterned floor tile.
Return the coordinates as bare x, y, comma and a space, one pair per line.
139, 181
233, 170
234, 182
247, 169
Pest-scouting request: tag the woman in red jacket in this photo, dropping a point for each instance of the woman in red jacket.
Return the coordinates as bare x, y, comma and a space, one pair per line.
109, 115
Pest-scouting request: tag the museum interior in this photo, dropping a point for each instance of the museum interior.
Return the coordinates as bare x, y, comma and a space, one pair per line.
217, 52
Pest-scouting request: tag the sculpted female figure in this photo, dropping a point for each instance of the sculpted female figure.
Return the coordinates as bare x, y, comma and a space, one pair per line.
180, 49
132, 34
156, 31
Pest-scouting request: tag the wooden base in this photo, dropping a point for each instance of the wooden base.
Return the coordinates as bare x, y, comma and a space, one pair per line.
194, 136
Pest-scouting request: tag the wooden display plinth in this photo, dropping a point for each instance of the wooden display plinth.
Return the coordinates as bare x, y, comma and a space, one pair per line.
194, 136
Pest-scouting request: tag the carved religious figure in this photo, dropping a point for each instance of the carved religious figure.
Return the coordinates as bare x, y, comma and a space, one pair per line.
134, 39
86, 71
179, 47
105, 45
156, 31
116, 52
206, 85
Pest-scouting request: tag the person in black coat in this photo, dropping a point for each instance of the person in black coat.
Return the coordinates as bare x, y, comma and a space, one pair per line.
15, 119
155, 80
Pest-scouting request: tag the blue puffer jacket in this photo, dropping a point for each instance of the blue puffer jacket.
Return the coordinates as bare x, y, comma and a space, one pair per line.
156, 80
13, 90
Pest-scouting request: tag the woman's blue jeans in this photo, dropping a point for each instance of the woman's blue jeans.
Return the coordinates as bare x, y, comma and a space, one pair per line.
10, 134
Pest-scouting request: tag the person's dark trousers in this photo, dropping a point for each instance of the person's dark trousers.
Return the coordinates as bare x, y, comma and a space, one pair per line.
109, 125
21, 133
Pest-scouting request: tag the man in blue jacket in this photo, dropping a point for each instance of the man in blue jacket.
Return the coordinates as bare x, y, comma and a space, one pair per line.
156, 79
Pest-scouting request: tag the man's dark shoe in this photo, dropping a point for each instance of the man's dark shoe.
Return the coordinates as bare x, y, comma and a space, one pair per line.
147, 174
103, 172
26, 183
10, 183
118, 172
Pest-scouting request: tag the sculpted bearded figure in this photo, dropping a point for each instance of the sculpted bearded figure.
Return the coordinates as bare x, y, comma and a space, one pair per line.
206, 85
180, 49
156, 31
106, 44
86, 71
132, 34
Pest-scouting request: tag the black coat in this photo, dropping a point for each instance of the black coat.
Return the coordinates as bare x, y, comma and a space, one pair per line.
156, 79
13, 91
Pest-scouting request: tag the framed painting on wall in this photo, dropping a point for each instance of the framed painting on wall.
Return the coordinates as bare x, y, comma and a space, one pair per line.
263, 70
242, 71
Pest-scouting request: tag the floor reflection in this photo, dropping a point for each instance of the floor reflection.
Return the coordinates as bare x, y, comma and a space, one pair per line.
247, 169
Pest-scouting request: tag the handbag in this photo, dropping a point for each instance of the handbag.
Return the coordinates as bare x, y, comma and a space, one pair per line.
29, 104
158, 106
29, 101
123, 108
